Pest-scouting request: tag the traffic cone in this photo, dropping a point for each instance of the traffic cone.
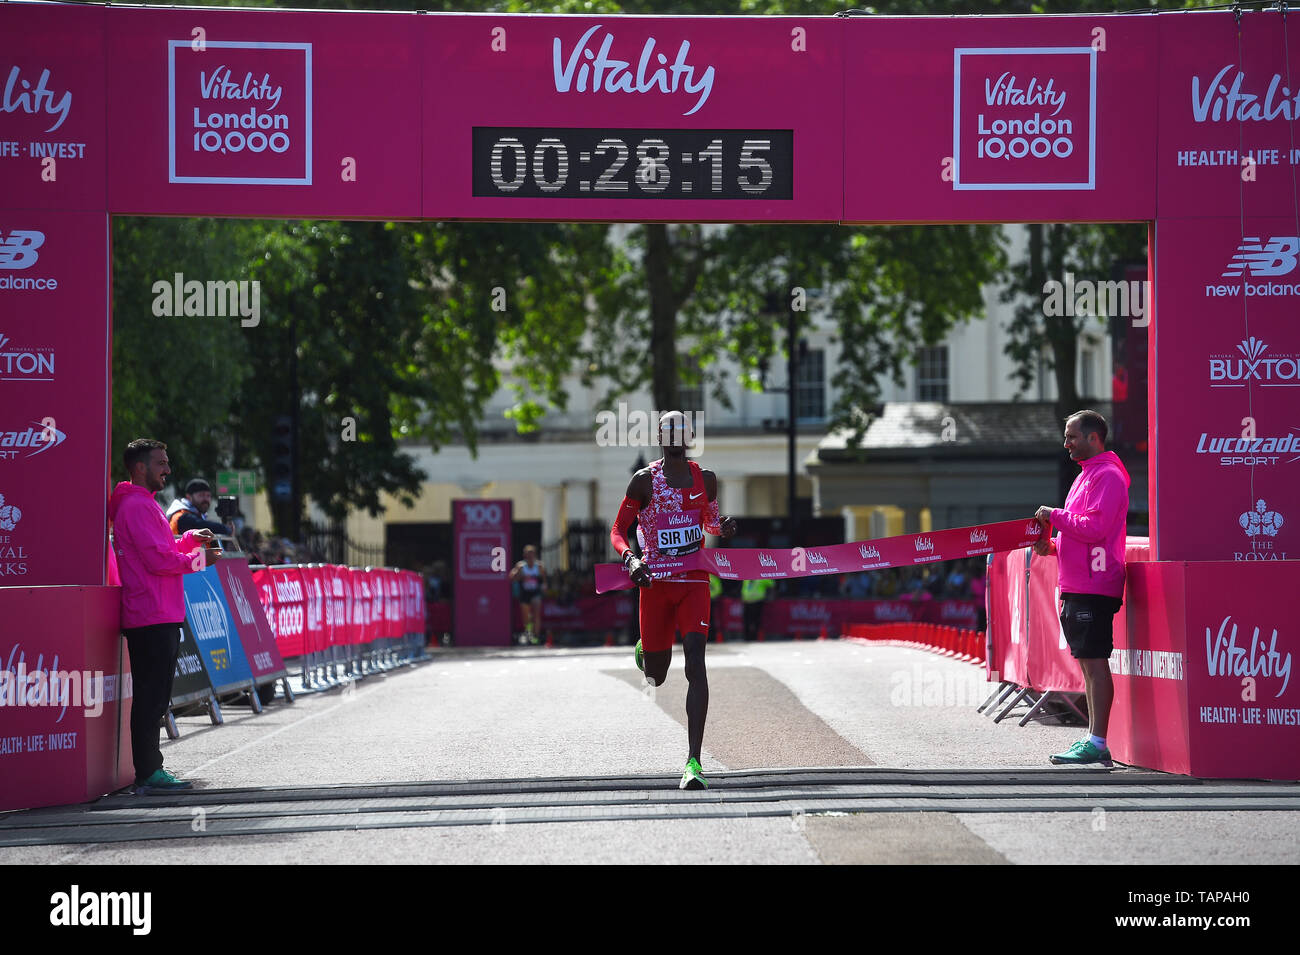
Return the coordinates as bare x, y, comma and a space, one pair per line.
760, 634
718, 638
822, 635
550, 638
609, 638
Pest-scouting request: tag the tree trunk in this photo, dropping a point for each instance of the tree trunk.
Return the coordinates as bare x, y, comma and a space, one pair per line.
663, 316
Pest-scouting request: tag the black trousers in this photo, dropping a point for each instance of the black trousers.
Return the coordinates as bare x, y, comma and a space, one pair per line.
153, 651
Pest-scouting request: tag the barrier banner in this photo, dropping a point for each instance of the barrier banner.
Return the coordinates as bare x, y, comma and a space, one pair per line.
1008, 623
481, 569
290, 611
190, 680
214, 631
904, 550
264, 661
1051, 667
315, 635
338, 606
362, 626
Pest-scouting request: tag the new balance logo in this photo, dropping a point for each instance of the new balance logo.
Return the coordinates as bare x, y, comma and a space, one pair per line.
1277, 256
18, 249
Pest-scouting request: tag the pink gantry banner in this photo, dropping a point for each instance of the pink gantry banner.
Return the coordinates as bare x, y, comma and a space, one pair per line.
53, 396
999, 119
906, 550
481, 563
52, 102
1225, 390
263, 113
1228, 109
677, 119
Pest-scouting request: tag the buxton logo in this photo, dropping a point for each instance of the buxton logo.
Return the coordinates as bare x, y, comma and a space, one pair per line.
868, 553
924, 544
1254, 365
603, 73
1226, 101
21, 96
1224, 658
1025, 118
766, 561
25, 364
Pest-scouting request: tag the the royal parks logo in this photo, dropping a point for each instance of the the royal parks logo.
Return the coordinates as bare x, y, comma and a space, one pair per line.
240, 113
1024, 118
1261, 526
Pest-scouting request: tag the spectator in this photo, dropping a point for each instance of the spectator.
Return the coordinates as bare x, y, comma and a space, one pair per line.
187, 513
150, 564
955, 586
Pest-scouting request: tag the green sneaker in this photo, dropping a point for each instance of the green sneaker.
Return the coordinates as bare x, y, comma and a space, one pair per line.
1082, 753
636, 655
161, 782
693, 776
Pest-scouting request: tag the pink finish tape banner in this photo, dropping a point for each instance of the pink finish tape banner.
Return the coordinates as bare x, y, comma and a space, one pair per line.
906, 550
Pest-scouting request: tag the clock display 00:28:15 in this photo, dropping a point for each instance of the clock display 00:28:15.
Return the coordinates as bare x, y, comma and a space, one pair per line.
571, 163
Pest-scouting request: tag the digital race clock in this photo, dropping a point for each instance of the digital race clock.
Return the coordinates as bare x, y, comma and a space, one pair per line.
634, 163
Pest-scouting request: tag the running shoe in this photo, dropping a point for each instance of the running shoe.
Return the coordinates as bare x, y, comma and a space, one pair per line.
636, 655
161, 782
1082, 753
693, 776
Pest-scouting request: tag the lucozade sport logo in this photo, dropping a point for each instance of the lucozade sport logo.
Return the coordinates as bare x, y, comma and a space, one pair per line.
240, 113
1024, 118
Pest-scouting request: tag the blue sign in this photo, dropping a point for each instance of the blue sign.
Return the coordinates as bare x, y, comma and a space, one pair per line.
214, 631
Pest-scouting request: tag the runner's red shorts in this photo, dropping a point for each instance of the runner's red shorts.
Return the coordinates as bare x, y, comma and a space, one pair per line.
670, 607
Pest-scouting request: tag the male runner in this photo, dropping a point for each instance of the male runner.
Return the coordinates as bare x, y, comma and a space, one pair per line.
1089, 546
674, 501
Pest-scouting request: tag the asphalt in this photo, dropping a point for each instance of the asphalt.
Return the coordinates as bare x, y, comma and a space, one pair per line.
818, 752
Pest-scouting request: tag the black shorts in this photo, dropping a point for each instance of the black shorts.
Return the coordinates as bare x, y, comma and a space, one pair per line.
1088, 622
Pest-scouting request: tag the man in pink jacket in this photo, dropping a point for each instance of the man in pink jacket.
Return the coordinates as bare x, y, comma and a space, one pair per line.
1089, 545
150, 563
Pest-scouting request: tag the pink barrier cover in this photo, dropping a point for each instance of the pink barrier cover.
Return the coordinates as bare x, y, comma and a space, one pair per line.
1008, 619
1051, 667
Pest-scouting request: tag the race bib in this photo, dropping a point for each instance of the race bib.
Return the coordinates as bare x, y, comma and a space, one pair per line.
679, 533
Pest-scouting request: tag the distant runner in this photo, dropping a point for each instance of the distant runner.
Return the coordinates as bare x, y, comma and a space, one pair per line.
528, 578
674, 502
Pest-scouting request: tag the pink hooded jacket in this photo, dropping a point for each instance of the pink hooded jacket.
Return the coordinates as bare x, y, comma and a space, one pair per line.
1091, 528
149, 561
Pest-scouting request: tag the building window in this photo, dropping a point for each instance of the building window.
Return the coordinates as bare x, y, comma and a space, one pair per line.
690, 392
1086, 374
932, 373
810, 399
